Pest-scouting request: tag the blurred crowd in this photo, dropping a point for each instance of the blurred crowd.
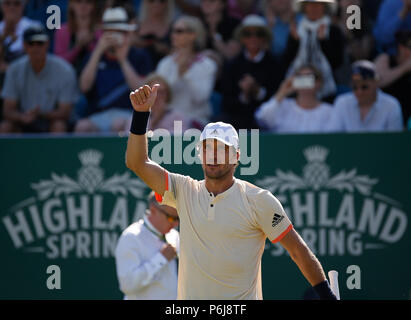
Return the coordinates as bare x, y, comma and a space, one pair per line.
282, 66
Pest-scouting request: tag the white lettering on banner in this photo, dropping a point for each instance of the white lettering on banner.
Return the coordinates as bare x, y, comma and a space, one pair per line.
68, 215
336, 215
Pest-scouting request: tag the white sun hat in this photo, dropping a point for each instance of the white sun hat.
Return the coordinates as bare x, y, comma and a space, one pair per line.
332, 4
117, 19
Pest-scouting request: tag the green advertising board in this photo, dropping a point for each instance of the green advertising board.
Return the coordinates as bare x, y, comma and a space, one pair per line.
65, 201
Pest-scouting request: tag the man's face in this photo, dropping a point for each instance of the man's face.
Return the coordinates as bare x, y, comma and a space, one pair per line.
164, 217
36, 50
314, 11
253, 38
364, 89
218, 159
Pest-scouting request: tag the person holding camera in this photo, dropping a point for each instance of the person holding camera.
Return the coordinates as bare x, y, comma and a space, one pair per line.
304, 113
112, 70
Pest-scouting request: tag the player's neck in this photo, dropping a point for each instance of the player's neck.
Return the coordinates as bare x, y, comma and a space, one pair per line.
217, 186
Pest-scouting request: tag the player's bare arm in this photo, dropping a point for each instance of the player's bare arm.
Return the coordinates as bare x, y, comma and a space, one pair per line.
303, 257
307, 262
137, 158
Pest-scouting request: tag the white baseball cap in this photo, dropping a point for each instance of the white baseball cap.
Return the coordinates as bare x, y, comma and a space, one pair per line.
221, 131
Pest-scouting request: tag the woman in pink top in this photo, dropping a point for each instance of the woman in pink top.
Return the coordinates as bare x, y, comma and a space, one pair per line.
79, 35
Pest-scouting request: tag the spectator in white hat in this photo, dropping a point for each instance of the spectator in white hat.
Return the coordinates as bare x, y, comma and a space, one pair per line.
112, 70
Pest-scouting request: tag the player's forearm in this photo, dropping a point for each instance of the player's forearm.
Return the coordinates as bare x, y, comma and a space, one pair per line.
309, 265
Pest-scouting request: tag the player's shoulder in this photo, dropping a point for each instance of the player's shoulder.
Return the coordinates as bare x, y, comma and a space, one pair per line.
178, 180
254, 192
260, 200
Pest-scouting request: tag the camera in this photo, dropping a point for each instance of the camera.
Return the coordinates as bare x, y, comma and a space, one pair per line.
304, 82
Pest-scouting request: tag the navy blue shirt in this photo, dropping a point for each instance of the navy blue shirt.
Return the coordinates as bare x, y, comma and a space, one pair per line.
110, 88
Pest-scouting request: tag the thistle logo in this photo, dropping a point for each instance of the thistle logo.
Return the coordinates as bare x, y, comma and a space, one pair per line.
336, 214
80, 217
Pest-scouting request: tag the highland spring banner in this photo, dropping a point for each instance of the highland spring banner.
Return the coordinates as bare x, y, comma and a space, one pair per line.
65, 201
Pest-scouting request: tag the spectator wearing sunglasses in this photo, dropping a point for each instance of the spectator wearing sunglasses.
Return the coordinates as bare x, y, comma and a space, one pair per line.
366, 108
252, 77
39, 89
190, 73
304, 113
146, 255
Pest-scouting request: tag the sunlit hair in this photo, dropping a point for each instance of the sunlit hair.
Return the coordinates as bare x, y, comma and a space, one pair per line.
195, 25
71, 19
317, 72
143, 14
154, 78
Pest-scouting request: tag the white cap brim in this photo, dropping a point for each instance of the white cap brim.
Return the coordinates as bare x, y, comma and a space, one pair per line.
119, 26
39, 37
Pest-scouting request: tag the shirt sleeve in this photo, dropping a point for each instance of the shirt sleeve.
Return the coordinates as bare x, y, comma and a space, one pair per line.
271, 217
10, 90
395, 120
266, 114
175, 185
69, 91
336, 123
133, 273
200, 91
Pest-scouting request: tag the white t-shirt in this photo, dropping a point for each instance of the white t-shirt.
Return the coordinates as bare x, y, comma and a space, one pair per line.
223, 237
288, 117
191, 92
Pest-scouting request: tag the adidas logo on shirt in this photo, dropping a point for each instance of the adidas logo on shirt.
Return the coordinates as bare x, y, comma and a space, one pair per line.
277, 219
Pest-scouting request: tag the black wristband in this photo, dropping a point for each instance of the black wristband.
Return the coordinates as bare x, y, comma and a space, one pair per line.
324, 291
139, 122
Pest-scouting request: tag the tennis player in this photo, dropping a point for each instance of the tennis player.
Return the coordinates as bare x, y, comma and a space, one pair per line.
224, 221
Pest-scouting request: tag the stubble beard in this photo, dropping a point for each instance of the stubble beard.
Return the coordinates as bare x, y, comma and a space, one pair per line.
219, 174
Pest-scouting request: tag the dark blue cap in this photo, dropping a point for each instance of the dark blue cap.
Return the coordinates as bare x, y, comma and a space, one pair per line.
35, 33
